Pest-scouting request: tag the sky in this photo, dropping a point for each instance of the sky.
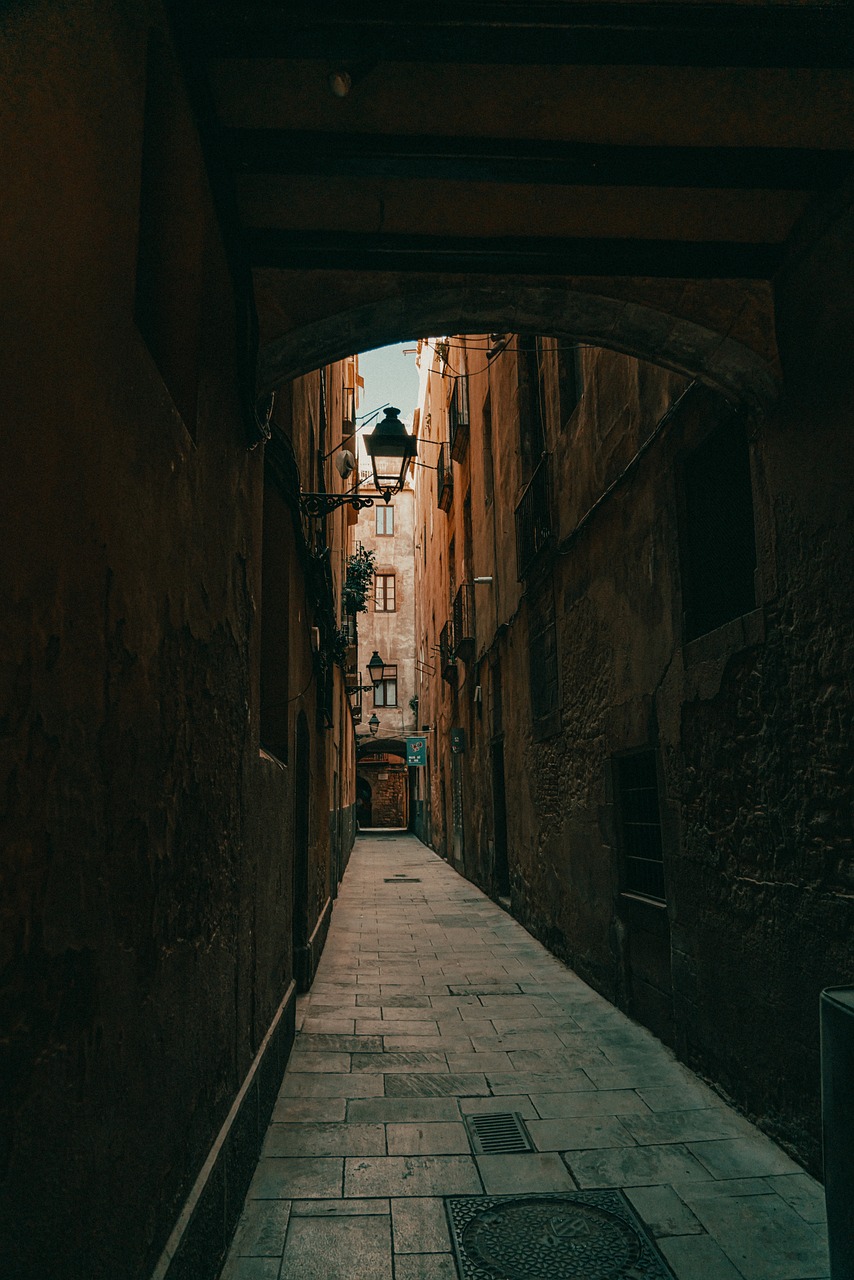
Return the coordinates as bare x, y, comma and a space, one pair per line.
390, 378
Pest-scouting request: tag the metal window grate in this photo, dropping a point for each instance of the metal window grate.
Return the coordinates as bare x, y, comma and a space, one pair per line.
719, 541
501, 1133
640, 821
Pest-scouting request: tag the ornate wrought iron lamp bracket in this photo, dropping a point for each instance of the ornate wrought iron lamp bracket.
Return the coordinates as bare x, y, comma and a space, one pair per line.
320, 504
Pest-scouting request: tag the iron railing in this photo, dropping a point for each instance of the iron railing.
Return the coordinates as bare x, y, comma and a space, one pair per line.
355, 696
534, 528
447, 661
458, 418
464, 634
444, 478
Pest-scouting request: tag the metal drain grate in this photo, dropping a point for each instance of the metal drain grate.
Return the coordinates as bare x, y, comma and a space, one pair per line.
498, 1133
401, 880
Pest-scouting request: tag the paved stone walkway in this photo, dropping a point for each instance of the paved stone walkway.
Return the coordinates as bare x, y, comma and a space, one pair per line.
431, 1004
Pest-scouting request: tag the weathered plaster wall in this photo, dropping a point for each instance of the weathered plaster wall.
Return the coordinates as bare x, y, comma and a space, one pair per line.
390, 633
146, 909
750, 722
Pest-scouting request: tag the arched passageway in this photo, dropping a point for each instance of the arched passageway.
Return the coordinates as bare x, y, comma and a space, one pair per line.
688, 346
186, 184
383, 775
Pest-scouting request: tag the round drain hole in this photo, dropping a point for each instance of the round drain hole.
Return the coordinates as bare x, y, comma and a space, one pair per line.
551, 1239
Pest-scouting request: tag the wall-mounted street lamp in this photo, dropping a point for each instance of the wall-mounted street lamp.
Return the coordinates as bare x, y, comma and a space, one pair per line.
376, 669
391, 449
374, 724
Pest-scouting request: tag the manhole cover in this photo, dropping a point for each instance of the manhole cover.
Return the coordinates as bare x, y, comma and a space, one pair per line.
585, 1235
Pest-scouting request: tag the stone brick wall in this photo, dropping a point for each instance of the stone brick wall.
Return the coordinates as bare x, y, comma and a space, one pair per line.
749, 724
389, 791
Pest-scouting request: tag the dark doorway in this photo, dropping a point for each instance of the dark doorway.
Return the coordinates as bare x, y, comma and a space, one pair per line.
364, 808
301, 843
501, 869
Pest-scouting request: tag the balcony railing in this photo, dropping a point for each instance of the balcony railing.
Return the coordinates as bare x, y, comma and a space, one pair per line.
458, 419
355, 696
534, 529
350, 630
444, 478
447, 661
350, 627
348, 409
464, 634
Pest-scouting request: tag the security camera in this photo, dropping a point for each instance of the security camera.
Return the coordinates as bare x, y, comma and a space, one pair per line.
345, 463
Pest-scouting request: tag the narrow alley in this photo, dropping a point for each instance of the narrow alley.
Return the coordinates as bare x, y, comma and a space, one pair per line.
432, 1007
426, 640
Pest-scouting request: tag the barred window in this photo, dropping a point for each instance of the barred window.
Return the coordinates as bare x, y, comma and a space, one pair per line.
640, 824
718, 538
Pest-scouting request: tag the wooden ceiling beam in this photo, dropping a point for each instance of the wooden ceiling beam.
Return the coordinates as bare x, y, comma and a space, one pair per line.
533, 161
591, 34
338, 251
615, 106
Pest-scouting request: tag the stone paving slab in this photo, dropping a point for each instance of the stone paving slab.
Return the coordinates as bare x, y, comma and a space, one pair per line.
440, 1138
347, 1248
420, 1225
325, 1140
431, 1004
412, 1176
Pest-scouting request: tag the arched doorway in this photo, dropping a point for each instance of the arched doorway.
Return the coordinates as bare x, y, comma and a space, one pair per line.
364, 792
384, 776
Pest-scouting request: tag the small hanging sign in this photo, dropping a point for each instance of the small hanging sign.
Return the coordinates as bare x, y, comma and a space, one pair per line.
416, 751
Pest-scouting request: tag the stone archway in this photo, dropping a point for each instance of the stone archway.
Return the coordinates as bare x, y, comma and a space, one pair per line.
742, 370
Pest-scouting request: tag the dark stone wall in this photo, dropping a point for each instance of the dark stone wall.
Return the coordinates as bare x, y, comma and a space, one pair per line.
145, 917
751, 725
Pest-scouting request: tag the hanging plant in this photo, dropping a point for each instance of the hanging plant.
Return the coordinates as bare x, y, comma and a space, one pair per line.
340, 645
357, 581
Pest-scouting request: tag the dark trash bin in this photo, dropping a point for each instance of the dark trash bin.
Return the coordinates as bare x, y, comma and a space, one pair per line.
837, 1114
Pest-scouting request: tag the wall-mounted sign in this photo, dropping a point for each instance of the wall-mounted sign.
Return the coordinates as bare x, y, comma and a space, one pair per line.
416, 751
458, 741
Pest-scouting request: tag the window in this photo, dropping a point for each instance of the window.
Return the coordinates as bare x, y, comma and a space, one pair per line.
718, 542
542, 661
385, 693
570, 382
458, 418
640, 824
384, 601
276, 550
532, 431
385, 520
488, 471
